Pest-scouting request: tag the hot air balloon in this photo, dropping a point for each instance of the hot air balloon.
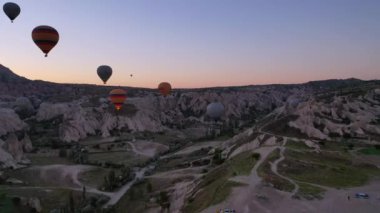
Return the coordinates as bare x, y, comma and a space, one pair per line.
104, 73
117, 97
45, 37
215, 110
165, 88
12, 10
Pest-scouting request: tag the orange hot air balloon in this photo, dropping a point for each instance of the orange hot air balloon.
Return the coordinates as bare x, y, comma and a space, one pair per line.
117, 97
165, 88
45, 37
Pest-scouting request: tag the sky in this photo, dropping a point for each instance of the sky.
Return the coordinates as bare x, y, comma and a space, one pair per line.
196, 43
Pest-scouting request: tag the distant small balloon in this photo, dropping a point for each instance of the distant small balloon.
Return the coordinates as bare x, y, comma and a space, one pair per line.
131, 75
12, 10
104, 73
45, 37
165, 88
117, 97
215, 110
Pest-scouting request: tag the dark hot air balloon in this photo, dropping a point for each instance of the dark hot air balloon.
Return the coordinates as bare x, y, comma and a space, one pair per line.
165, 88
12, 10
104, 73
117, 97
45, 37
215, 110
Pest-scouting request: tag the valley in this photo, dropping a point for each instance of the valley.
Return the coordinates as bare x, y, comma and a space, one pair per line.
277, 148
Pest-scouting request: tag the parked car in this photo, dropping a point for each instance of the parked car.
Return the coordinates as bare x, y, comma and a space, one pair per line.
362, 195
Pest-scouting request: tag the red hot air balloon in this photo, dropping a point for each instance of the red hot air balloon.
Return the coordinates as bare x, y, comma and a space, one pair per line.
117, 97
165, 88
45, 37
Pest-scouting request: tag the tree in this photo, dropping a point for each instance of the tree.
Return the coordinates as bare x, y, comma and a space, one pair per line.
350, 146
112, 178
62, 153
217, 158
164, 200
125, 172
106, 183
256, 156
149, 187
84, 193
132, 194
71, 202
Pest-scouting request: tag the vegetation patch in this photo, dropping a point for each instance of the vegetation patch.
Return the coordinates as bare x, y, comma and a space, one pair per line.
50, 199
118, 158
5, 203
341, 146
309, 192
328, 169
370, 151
216, 186
298, 145
243, 163
94, 178
43, 160
136, 198
265, 172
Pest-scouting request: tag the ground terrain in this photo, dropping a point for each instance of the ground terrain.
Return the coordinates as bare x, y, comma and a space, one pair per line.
277, 148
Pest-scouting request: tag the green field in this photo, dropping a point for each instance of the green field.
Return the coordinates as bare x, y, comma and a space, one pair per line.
265, 172
242, 163
5, 203
136, 198
216, 186
40, 160
370, 151
129, 159
50, 198
328, 169
95, 177
309, 192
298, 145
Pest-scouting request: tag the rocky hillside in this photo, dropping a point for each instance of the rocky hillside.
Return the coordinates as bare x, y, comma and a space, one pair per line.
48, 113
351, 113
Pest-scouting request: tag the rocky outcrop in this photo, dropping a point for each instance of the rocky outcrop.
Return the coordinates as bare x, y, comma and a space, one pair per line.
343, 116
10, 122
24, 107
6, 159
156, 114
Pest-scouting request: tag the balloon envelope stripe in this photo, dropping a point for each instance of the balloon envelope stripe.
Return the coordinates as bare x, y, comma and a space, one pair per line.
117, 95
46, 42
45, 30
45, 36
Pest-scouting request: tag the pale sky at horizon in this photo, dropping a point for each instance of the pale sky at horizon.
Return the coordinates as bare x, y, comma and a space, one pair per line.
196, 43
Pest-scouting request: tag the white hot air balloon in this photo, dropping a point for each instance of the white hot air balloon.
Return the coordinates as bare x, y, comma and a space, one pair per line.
215, 110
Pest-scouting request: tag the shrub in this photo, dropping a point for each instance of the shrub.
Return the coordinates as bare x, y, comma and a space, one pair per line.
62, 153
350, 146
256, 156
149, 187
